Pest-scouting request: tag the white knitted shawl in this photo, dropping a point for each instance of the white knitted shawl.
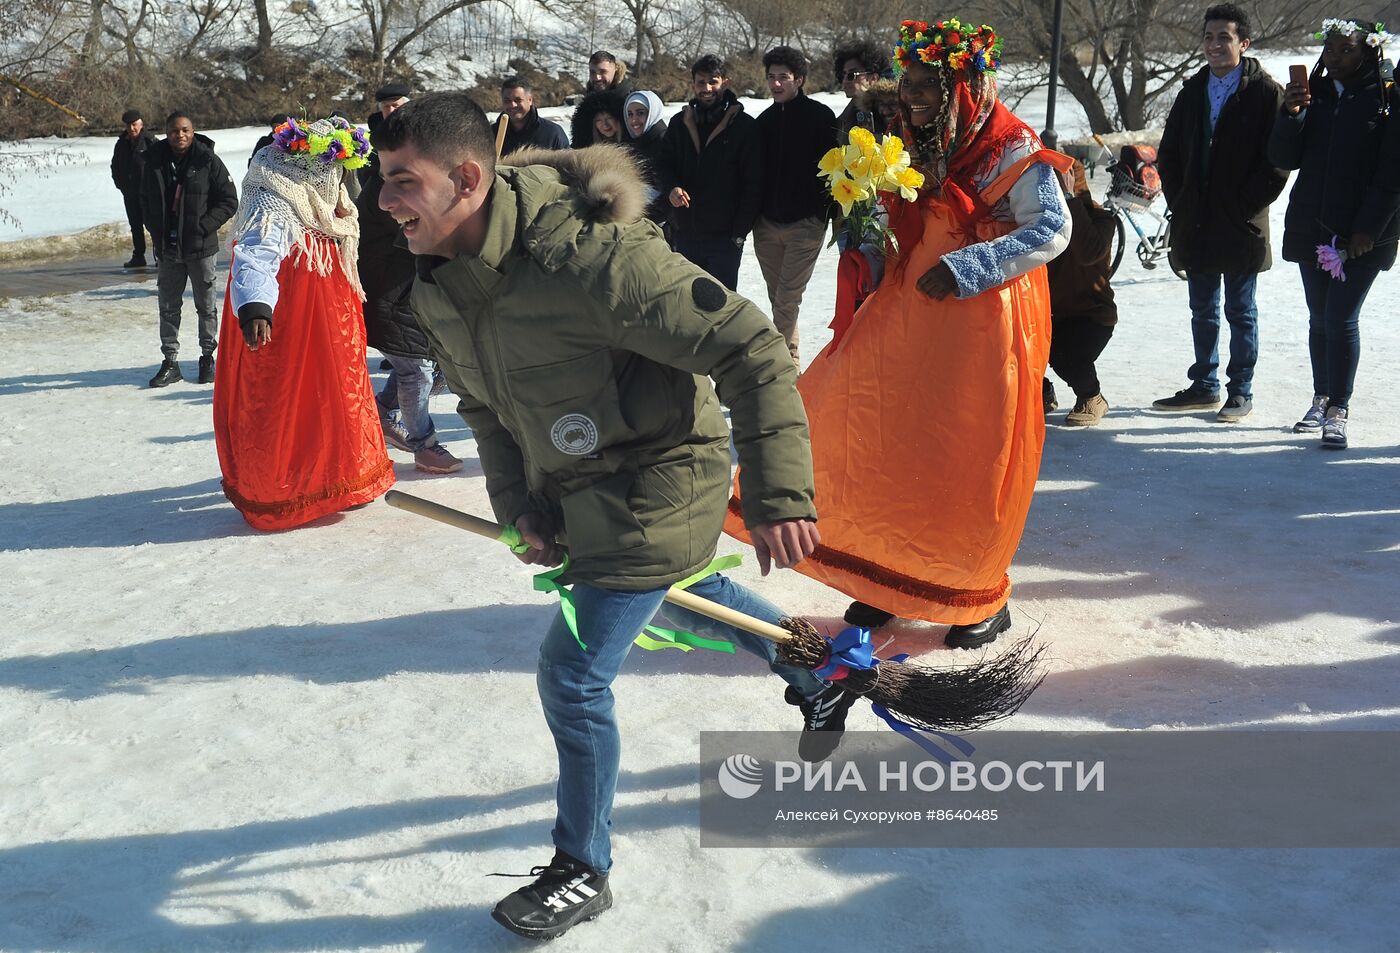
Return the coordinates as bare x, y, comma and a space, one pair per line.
302, 197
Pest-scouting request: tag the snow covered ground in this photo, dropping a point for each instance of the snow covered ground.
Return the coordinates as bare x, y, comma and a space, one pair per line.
216, 740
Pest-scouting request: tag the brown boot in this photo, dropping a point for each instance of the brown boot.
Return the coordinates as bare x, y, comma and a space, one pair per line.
1087, 412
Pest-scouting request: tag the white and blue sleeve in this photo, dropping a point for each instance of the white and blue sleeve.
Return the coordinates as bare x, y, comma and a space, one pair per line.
1037, 205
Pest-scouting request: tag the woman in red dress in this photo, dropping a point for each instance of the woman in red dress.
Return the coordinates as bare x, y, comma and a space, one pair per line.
295, 421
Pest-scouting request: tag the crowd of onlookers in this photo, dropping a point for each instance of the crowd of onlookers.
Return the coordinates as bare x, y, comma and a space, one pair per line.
716, 175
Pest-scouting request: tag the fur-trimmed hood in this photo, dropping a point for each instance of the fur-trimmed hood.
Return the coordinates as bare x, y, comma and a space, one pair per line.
610, 101
605, 177
881, 93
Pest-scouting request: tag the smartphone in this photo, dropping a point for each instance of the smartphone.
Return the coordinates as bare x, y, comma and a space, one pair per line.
1298, 75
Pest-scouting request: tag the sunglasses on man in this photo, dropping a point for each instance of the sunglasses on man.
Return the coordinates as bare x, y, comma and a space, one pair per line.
857, 73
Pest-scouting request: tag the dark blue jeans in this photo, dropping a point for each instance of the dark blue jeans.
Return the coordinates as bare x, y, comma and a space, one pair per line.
719, 256
1334, 327
576, 693
1203, 289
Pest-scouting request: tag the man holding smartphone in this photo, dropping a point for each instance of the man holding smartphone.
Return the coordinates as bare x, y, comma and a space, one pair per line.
1219, 186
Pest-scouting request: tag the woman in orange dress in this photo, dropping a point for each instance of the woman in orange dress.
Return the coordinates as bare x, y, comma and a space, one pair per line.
295, 420
925, 410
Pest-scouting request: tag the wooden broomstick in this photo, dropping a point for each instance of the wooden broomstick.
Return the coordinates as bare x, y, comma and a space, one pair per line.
936, 699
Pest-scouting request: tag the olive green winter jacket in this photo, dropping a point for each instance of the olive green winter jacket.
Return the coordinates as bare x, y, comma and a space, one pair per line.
581, 347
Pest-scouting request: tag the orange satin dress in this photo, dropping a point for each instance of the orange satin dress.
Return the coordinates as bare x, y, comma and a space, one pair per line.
295, 421
927, 427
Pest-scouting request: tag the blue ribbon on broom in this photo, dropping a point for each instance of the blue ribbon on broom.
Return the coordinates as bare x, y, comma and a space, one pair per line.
851, 649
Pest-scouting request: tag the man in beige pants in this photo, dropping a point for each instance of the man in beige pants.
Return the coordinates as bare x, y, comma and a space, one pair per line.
796, 132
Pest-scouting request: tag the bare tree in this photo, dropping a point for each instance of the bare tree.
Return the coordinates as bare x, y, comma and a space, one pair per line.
392, 26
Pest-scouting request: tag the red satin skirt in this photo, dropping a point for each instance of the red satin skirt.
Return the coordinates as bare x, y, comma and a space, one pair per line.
295, 421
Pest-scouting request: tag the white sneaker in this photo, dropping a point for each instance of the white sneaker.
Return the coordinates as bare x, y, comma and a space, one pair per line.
1334, 428
1312, 420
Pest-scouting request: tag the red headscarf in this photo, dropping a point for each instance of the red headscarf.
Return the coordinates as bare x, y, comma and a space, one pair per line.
954, 158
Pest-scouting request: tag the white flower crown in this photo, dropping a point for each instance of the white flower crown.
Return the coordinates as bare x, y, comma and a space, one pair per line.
1351, 28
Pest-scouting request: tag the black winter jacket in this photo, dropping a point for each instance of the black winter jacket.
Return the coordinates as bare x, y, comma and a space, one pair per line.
1219, 188
537, 131
386, 273
129, 161
648, 148
1348, 162
716, 156
199, 189
794, 135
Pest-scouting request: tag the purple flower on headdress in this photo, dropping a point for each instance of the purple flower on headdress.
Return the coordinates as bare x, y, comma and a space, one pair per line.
286, 134
340, 122
361, 141
335, 149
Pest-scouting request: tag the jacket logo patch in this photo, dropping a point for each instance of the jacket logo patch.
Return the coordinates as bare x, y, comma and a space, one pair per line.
574, 434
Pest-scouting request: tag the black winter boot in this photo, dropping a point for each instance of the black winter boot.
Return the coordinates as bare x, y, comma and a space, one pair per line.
979, 633
169, 373
206, 369
866, 616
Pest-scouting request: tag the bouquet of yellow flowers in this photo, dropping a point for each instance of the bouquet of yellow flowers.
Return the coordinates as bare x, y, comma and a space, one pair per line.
858, 172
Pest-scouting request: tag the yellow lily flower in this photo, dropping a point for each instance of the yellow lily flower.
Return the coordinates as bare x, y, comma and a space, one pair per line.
847, 192
863, 139
893, 152
833, 163
910, 181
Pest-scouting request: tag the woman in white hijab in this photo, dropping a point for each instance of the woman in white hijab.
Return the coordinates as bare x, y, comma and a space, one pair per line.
646, 132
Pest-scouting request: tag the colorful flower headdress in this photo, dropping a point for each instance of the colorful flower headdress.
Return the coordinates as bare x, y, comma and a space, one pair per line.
1351, 28
951, 43
332, 140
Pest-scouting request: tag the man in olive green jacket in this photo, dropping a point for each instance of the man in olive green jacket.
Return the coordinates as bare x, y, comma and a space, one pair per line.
582, 349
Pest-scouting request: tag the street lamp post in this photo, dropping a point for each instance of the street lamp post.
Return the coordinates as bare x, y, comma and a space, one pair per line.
1049, 136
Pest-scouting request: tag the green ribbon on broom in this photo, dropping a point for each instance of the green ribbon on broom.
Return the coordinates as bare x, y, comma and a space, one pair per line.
653, 637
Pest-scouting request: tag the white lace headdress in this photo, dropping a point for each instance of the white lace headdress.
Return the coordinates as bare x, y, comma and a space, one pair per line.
296, 183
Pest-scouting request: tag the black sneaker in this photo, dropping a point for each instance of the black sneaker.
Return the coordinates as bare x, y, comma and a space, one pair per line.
169, 373
564, 893
1047, 395
136, 261
206, 369
823, 720
1194, 397
866, 616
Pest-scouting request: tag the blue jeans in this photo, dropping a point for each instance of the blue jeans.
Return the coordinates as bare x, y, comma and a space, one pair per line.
1203, 289
576, 693
406, 390
1334, 328
719, 256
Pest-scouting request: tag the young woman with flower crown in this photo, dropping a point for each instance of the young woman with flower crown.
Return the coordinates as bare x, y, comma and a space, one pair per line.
925, 411
1341, 131
295, 422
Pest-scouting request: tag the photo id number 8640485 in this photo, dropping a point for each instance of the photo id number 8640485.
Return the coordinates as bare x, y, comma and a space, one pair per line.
964, 814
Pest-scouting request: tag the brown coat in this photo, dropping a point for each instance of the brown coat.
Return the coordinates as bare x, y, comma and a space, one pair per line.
1079, 282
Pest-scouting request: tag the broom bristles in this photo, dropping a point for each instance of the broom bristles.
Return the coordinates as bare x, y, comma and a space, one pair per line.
939, 699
